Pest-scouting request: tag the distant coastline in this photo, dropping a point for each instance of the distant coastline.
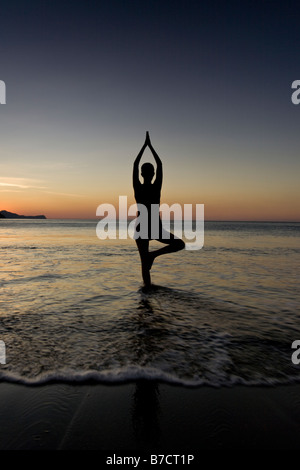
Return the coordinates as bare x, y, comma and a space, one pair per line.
11, 215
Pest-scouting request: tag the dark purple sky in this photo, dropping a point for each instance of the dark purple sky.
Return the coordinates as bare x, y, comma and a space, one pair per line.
211, 81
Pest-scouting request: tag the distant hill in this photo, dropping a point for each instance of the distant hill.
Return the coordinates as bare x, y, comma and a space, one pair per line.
11, 215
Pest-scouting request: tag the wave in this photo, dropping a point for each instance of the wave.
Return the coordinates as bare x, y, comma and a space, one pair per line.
136, 373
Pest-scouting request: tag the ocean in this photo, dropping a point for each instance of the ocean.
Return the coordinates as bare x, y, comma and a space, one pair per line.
72, 307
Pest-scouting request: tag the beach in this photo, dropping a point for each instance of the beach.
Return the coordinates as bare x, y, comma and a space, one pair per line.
201, 361
148, 417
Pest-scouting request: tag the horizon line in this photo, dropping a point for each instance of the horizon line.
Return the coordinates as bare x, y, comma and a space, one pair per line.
176, 220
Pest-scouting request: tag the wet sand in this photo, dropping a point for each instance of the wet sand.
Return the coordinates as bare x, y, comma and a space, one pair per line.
148, 417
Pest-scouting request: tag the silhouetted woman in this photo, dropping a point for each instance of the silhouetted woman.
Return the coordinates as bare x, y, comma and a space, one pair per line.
148, 194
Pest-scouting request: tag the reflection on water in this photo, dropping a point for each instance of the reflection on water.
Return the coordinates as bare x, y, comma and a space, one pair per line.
145, 414
72, 306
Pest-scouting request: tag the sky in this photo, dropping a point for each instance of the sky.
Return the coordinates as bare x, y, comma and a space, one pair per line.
210, 81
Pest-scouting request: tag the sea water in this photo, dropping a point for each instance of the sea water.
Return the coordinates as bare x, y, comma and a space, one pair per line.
72, 307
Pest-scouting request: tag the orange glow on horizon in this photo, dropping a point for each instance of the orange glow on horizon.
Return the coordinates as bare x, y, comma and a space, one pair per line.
218, 205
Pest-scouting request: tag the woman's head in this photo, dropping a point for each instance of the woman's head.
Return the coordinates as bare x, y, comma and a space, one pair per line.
147, 172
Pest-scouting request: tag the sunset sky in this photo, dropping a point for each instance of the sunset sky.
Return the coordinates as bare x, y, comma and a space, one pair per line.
211, 82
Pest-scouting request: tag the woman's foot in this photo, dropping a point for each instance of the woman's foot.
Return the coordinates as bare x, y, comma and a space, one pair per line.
146, 266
